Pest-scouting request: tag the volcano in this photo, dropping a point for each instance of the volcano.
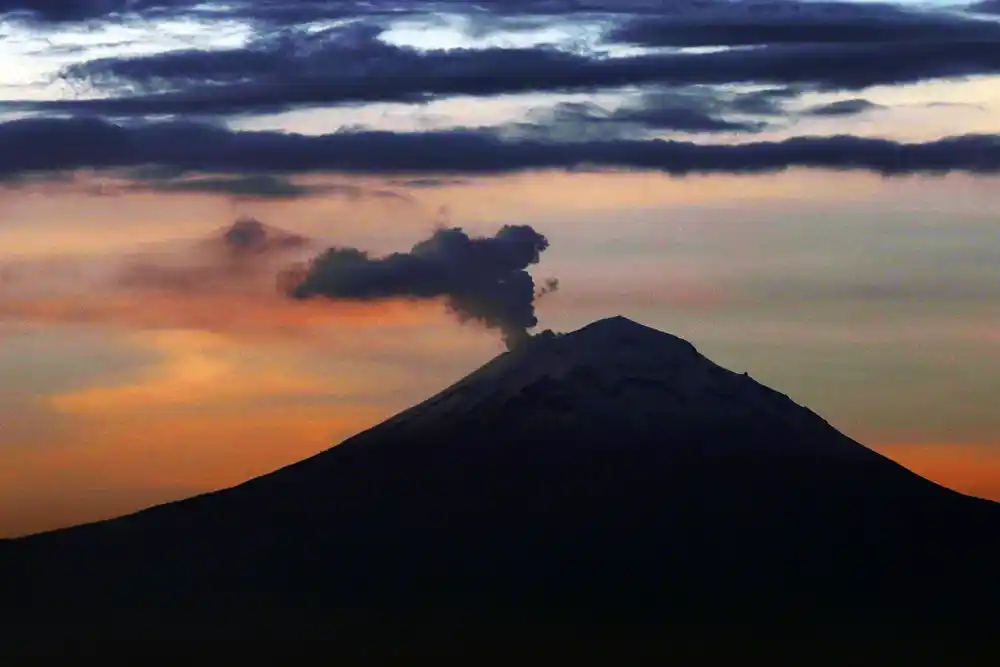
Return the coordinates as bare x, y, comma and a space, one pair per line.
609, 473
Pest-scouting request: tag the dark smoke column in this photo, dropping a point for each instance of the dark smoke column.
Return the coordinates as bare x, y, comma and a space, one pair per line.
481, 278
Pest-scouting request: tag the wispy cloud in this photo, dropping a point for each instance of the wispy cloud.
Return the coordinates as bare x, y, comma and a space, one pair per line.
201, 371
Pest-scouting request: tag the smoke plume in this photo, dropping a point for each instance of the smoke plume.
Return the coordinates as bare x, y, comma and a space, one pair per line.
481, 278
249, 236
242, 257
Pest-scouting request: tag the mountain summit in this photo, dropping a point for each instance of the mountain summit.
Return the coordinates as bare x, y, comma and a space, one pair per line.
630, 383
609, 471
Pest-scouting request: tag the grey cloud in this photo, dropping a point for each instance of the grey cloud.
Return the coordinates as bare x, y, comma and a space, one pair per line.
53, 145
294, 12
986, 7
850, 107
430, 182
794, 22
252, 187
238, 258
249, 236
765, 102
687, 110
294, 53
58, 11
347, 65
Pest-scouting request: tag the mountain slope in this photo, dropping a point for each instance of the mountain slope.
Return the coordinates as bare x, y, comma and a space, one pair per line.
610, 471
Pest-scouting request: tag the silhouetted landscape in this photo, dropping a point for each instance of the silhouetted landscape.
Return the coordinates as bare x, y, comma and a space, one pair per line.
710, 287
611, 476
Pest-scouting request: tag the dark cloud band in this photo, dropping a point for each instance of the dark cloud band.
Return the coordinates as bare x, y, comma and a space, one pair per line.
52, 145
827, 45
359, 71
841, 108
986, 7
765, 22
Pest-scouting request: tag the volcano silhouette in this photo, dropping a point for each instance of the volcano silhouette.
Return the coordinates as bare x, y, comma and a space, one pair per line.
612, 472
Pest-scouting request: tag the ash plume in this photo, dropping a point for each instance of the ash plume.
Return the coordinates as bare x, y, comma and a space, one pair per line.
481, 278
243, 256
249, 236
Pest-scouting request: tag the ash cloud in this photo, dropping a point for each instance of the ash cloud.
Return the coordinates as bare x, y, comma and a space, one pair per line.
249, 236
243, 257
481, 278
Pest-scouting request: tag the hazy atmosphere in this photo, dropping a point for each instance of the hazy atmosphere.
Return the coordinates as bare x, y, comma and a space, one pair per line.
229, 231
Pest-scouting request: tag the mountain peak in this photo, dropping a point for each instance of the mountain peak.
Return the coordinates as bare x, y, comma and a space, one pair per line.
612, 332
628, 379
614, 346
612, 468
619, 322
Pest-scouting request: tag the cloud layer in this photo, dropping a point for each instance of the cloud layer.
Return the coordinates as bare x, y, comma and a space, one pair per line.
52, 145
353, 64
730, 68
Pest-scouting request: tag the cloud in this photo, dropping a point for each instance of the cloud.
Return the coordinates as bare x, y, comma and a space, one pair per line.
412, 76
850, 107
238, 187
268, 12
351, 64
690, 110
430, 182
482, 279
294, 12
51, 145
762, 22
291, 12
197, 370
288, 54
243, 187
247, 316
986, 7
248, 236
59, 11
244, 257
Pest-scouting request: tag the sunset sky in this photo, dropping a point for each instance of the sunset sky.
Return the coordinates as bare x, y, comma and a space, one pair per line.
807, 191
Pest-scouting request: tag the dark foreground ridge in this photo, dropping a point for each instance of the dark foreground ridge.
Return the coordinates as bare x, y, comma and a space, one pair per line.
611, 476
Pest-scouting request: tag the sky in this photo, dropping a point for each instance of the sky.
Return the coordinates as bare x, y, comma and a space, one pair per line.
234, 234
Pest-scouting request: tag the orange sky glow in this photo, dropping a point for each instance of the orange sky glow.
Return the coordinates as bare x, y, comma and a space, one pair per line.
876, 311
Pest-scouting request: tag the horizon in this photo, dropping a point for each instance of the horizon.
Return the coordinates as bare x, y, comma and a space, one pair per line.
827, 228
